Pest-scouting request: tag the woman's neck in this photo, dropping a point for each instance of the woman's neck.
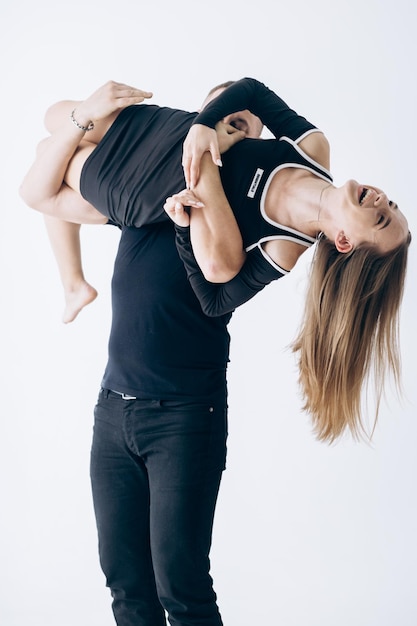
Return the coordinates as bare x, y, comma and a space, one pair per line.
294, 199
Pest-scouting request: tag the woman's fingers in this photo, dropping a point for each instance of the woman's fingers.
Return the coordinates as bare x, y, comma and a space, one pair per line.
175, 206
200, 139
176, 212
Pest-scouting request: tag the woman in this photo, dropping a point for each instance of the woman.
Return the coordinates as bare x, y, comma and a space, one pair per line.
283, 198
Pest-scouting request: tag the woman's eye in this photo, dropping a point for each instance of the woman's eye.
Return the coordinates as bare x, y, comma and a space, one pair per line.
380, 220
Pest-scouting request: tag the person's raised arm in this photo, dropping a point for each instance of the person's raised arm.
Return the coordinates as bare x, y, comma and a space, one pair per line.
247, 93
251, 94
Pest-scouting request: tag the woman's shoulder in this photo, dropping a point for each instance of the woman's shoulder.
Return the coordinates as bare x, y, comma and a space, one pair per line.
317, 147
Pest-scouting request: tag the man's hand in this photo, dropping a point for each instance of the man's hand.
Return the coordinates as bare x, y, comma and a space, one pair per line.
106, 100
227, 136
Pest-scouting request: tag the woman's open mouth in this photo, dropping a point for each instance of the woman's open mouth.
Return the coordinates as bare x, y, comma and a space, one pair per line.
364, 194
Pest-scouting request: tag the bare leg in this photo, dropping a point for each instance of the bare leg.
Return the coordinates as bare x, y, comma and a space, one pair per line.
59, 113
65, 241
64, 237
51, 185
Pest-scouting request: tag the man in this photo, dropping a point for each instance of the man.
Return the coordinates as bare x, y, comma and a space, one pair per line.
159, 444
158, 454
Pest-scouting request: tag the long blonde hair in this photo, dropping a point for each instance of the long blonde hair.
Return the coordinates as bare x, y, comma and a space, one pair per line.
350, 328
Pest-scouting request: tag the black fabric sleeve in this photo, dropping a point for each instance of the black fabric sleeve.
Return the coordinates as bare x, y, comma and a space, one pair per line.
220, 298
249, 93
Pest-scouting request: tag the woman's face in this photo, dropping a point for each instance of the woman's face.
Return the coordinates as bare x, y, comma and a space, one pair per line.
370, 217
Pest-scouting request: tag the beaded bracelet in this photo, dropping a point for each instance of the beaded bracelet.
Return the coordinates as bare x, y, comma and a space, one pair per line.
74, 121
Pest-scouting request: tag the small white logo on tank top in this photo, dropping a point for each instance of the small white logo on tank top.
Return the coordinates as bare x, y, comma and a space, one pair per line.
255, 182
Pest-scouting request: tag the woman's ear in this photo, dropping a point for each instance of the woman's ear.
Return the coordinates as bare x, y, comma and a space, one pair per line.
342, 243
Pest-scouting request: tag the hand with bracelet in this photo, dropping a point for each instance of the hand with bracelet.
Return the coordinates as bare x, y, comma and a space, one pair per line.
106, 100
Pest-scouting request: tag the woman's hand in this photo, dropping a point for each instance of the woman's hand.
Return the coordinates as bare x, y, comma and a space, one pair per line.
201, 139
106, 100
175, 206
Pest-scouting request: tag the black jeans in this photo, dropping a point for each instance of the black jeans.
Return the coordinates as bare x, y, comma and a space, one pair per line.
155, 470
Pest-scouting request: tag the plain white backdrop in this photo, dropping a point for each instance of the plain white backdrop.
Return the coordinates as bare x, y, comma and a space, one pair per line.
305, 533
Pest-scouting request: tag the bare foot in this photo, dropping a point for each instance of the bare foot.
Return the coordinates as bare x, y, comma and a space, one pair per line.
77, 299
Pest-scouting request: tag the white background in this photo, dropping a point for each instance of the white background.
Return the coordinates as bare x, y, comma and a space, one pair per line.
305, 533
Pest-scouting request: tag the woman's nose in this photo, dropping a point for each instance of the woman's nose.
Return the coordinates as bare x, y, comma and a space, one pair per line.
381, 199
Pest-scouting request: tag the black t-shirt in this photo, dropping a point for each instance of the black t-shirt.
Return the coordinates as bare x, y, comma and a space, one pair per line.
161, 343
137, 165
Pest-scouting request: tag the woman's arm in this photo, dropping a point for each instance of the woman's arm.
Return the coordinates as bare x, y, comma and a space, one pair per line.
255, 271
220, 299
215, 235
251, 94
216, 238
247, 93
217, 241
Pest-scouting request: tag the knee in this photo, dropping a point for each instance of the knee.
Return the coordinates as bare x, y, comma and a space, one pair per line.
57, 113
